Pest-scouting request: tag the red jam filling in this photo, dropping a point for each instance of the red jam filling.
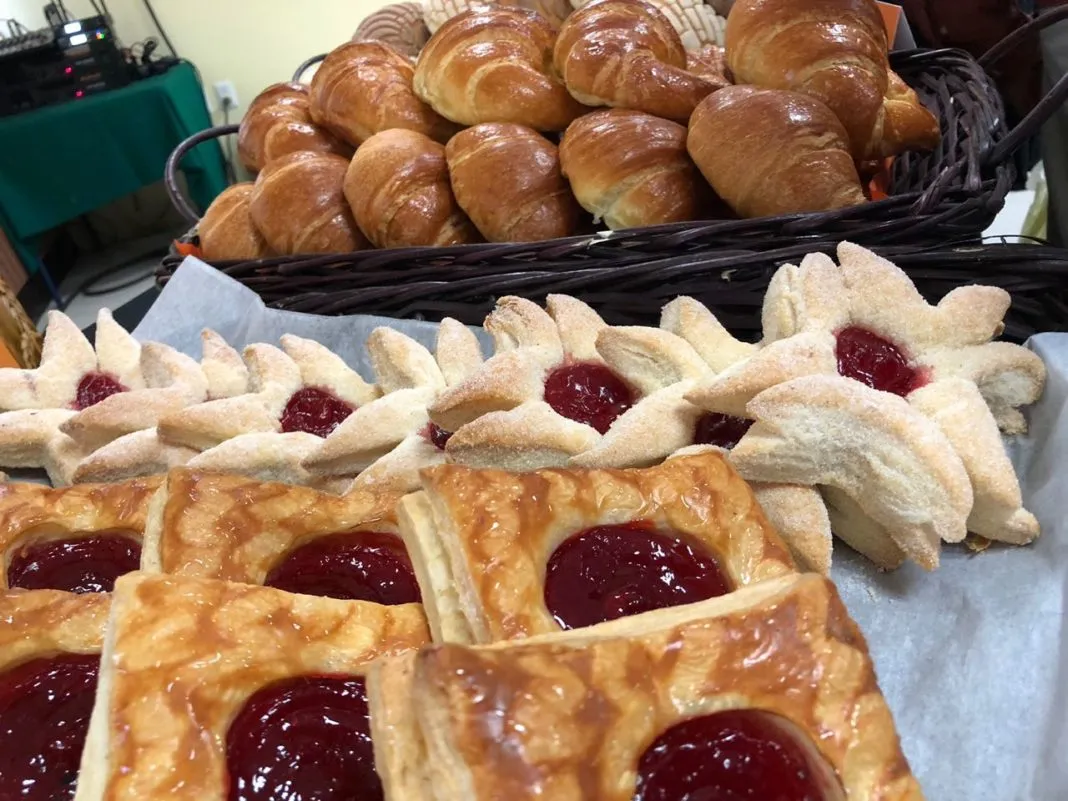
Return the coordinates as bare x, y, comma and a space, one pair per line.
733, 756
438, 436
352, 566
588, 393
610, 572
44, 717
303, 738
314, 411
93, 388
79, 564
720, 429
877, 362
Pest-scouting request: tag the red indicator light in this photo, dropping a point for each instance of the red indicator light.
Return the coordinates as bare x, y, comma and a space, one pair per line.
79, 93
69, 70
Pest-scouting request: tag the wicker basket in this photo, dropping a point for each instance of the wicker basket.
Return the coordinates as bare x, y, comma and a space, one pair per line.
17, 329
949, 195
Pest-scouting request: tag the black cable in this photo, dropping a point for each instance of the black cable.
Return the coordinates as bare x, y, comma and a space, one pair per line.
96, 8
159, 27
64, 11
104, 8
86, 287
228, 151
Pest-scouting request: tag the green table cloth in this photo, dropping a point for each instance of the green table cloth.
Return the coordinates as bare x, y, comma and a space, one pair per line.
63, 161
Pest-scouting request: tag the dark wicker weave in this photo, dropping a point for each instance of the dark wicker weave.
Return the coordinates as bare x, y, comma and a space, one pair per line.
949, 195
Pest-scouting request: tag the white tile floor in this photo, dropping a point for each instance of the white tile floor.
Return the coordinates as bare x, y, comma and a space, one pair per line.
83, 308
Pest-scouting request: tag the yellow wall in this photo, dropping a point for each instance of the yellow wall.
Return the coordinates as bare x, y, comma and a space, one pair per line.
252, 42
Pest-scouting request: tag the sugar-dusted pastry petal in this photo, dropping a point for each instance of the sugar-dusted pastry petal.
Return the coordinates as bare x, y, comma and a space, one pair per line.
593, 714
1008, 376
457, 352
370, 432
519, 323
265, 457
398, 470
184, 656
806, 298
117, 353
62, 459
647, 433
165, 367
853, 527
730, 391
400, 362
321, 367
25, 435
960, 411
529, 437
223, 366
882, 297
271, 372
207, 424
893, 461
692, 321
66, 358
503, 382
131, 456
799, 514
578, 326
649, 358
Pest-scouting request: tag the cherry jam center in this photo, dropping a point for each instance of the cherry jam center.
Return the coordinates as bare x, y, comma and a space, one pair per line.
314, 411
352, 566
733, 756
877, 362
44, 717
610, 572
93, 388
589, 393
303, 738
720, 429
438, 436
80, 564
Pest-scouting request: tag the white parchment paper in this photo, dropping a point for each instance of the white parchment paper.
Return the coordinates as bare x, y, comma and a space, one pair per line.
973, 658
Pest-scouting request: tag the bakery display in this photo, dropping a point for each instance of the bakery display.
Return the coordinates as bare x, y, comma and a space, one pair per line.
50, 646
765, 693
797, 113
269, 687
398, 189
217, 526
365, 87
504, 556
493, 64
75, 539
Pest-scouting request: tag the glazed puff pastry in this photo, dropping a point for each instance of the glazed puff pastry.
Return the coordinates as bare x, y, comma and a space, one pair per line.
197, 675
76, 539
502, 556
768, 692
210, 525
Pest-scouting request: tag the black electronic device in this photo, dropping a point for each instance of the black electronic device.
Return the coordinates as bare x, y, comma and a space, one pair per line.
72, 60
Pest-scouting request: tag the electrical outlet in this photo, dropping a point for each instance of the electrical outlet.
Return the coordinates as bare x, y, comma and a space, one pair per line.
227, 94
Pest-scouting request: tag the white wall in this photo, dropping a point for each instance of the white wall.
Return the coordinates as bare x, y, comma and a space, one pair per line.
29, 12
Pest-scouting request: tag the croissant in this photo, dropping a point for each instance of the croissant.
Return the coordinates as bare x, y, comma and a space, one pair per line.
299, 207
626, 53
649, 177
507, 178
366, 87
278, 103
493, 65
399, 25
769, 152
292, 137
227, 231
710, 62
398, 189
836, 51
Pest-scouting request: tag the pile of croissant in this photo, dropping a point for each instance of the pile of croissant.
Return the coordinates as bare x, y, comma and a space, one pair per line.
507, 128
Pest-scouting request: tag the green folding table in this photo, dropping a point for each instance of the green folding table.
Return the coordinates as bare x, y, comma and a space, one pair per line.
60, 162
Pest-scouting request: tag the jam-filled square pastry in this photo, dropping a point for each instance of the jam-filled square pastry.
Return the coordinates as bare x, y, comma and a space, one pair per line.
767, 693
77, 539
216, 690
49, 655
502, 556
233, 528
